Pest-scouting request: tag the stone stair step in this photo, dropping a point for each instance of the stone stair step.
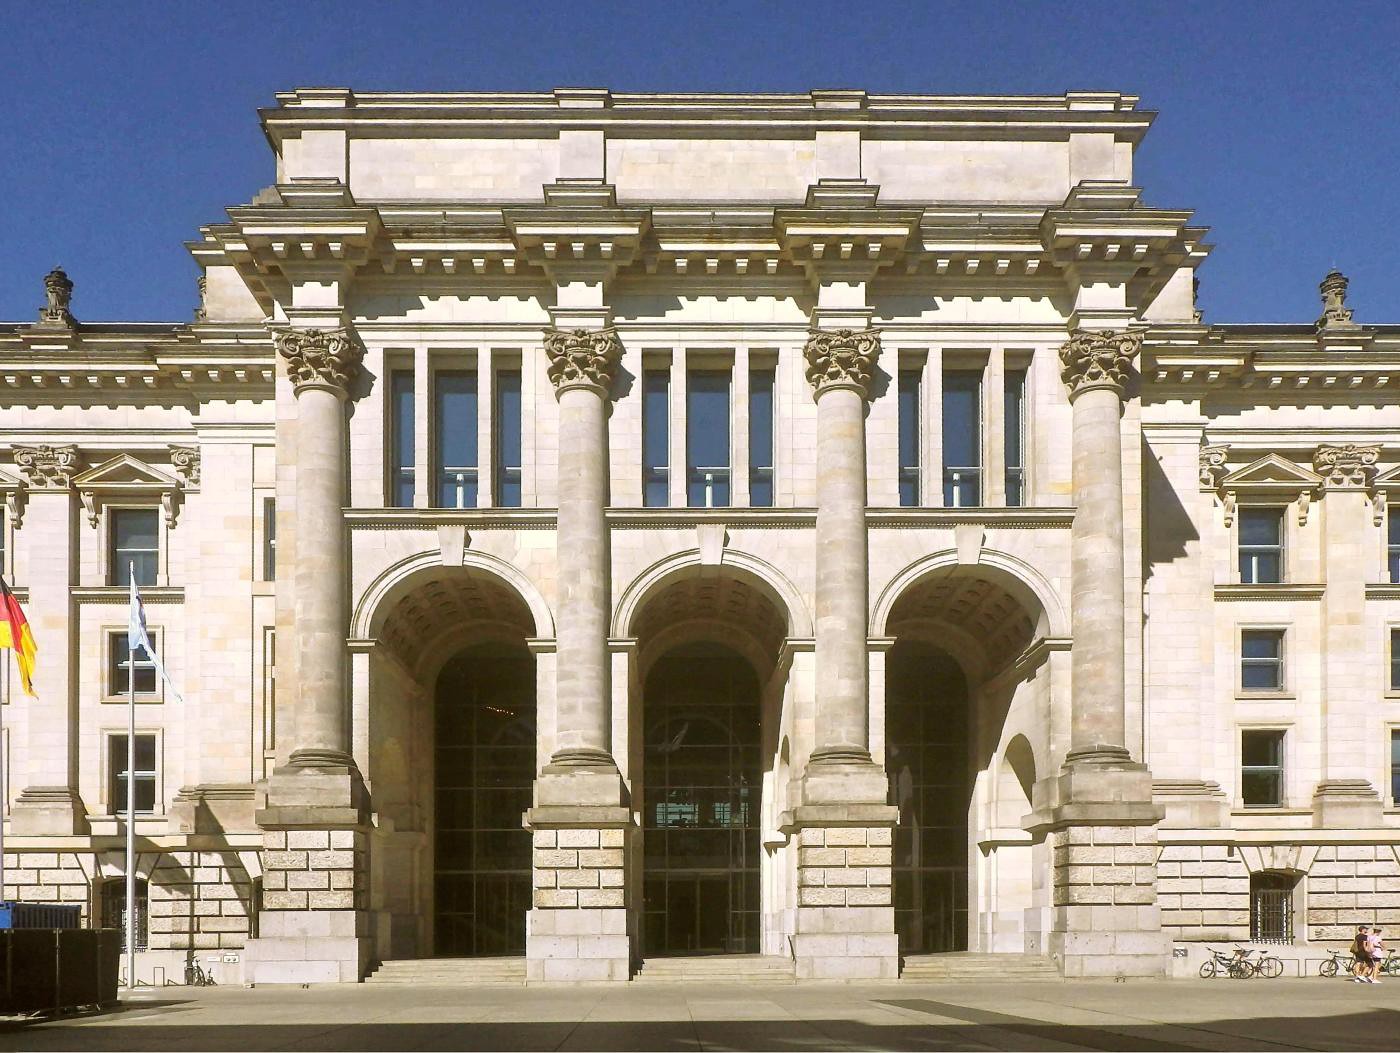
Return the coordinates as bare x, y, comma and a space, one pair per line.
739, 969
451, 972
977, 966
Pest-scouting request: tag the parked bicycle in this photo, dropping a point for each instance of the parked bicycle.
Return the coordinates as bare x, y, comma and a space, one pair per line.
195, 976
1236, 966
1340, 962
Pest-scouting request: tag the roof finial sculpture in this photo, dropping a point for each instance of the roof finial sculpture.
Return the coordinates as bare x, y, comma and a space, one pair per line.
1335, 313
58, 294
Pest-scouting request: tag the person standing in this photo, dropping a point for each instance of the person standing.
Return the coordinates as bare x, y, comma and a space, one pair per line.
1377, 950
1360, 954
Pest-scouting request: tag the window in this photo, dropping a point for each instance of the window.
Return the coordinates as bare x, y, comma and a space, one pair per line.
1014, 406
1395, 766
1261, 546
1261, 769
114, 909
401, 429
135, 544
910, 386
2, 541
656, 438
761, 384
145, 774
1392, 545
269, 570
508, 438
455, 423
962, 439
707, 439
1261, 660
1395, 659
119, 667
1271, 906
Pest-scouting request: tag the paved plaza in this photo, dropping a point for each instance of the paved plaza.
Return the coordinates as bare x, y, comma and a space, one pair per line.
1190, 1015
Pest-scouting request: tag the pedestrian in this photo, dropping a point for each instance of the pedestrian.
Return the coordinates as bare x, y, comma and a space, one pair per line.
1377, 954
1360, 954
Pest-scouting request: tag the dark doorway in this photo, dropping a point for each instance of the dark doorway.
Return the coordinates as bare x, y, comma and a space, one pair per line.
926, 746
484, 759
703, 779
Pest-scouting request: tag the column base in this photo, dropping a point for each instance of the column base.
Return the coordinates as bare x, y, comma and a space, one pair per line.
46, 810
1192, 804
844, 921
1105, 918
577, 929
1346, 804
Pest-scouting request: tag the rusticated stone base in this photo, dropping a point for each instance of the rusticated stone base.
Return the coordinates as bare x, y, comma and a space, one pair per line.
845, 907
576, 931
314, 925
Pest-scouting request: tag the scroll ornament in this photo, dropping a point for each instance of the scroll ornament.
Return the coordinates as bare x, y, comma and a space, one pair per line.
47, 467
1098, 359
841, 358
320, 357
582, 358
1347, 466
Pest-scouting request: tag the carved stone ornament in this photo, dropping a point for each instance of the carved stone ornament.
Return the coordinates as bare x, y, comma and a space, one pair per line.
58, 297
185, 461
47, 467
1335, 313
1346, 467
586, 358
1213, 466
320, 357
841, 358
1098, 358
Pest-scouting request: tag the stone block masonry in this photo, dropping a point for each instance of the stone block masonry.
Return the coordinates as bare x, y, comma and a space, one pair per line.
845, 906
1108, 922
199, 901
577, 930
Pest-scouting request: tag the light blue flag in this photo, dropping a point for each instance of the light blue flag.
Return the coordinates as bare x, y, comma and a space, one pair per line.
137, 636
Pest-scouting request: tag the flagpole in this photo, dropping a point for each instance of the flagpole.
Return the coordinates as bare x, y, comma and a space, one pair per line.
131, 804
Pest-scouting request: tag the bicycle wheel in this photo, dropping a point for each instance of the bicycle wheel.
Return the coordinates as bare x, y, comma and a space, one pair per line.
1208, 970
1392, 966
1328, 968
1241, 970
1270, 968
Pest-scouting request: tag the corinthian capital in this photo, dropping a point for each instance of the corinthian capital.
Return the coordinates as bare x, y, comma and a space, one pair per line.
1098, 359
328, 358
841, 358
1346, 467
582, 358
47, 467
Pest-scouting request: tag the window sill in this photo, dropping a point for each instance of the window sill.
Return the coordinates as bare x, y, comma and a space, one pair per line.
141, 700
1282, 590
1266, 696
1268, 809
122, 593
1383, 591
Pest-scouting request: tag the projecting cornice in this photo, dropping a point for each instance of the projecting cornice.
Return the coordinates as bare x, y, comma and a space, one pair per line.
1262, 359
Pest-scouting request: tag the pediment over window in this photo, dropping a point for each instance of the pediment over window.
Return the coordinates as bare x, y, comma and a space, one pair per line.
123, 478
1272, 479
1385, 488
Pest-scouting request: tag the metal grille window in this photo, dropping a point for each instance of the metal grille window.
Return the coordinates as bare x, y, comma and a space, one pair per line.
656, 438
1261, 546
761, 385
1261, 660
135, 546
1392, 545
145, 774
114, 910
1261, 768
121, 666
1271, 907
508, 483
402, 443
962, 439
910, 394
707, 439
269, 539
454, 423
1014, 406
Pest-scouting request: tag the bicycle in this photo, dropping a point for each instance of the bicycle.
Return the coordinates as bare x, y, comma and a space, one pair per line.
1268, 966
1236, 966
1340, 962
195, 976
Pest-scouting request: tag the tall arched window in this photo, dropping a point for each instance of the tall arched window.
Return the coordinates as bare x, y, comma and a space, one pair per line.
1271, 906
114, 909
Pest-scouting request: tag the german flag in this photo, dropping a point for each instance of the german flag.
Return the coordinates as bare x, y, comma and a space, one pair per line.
17, 636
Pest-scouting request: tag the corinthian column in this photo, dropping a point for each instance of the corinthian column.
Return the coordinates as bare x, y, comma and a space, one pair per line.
322, 364
839, 365
582, 365
1095, 368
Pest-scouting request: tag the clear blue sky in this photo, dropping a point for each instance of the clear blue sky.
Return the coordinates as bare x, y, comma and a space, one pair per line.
125, 126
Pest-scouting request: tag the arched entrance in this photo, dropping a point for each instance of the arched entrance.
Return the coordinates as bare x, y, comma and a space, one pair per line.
484, 770
963, 691
703, 779
710, 709
452, 760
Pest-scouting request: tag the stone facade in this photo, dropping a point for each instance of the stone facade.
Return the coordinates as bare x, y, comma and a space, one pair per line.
1014, 674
